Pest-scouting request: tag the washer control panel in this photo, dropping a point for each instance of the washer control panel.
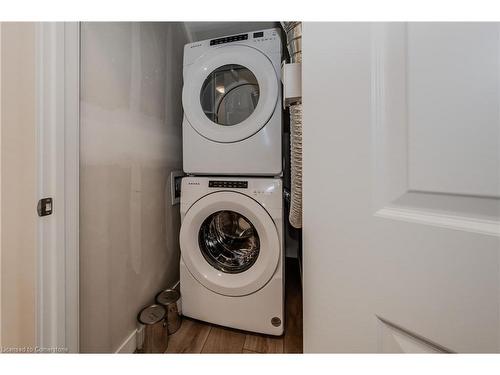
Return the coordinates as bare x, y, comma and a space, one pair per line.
268, 192
228, 184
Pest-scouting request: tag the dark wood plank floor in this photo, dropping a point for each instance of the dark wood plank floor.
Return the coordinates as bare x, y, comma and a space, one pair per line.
200, 337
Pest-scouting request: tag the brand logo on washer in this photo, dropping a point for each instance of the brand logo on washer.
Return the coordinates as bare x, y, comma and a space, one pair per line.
195, 45
193, 183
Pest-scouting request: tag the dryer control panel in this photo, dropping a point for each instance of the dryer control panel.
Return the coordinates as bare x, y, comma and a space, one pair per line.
229, 39
258, 36
268, 41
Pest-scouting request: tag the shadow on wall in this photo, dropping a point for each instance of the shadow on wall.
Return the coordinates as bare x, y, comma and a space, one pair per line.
131, 116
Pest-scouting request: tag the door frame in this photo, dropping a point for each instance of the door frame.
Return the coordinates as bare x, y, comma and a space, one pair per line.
57, 68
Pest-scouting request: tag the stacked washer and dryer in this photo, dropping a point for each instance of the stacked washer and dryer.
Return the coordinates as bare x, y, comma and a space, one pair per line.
231, 238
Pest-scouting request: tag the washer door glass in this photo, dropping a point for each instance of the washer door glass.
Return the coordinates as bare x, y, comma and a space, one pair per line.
229, 242
229, 94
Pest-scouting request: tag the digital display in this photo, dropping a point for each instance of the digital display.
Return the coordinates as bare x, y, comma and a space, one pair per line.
228, 184
229, 39
260, 34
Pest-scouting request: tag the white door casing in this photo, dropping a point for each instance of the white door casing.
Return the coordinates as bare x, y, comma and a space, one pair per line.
238, 284
58, 102
258, 64
401, 252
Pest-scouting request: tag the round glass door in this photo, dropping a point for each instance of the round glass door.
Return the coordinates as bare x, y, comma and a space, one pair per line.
229, 242
229, 94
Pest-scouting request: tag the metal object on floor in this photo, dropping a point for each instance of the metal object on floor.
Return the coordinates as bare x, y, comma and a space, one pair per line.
153, 320
169, 299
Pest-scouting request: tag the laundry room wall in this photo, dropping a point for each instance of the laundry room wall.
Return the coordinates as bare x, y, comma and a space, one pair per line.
131, 116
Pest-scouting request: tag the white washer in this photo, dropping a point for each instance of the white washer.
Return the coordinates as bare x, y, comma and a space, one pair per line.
231, 239
232, 105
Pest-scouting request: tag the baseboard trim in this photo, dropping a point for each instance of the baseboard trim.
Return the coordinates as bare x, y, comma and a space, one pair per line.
129, 345
176, 285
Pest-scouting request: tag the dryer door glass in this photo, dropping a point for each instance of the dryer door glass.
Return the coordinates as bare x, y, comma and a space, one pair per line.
229, 242
229, 95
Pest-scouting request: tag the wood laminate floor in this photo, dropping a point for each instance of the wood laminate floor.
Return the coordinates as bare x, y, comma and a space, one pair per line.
200, 337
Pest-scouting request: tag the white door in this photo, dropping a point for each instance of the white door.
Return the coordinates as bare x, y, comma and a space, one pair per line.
230, 93
401, 187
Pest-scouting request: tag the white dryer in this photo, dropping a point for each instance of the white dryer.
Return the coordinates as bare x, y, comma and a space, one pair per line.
232, 105
231, 239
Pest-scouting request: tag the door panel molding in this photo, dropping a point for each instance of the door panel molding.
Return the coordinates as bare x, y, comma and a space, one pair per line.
453, 91
463, 223
394, 197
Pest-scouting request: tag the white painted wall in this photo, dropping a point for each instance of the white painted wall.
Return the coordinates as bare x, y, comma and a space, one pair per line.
131, 116
17, 185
